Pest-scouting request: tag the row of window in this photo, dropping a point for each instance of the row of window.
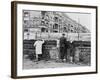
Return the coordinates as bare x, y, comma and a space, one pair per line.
56, 27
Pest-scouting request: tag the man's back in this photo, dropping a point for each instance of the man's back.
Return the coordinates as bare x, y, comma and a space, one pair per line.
62, 42
38, 45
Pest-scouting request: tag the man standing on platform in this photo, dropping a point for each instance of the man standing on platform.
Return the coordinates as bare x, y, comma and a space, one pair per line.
63, 47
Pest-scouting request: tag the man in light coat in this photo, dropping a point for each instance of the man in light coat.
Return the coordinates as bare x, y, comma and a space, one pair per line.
38, 48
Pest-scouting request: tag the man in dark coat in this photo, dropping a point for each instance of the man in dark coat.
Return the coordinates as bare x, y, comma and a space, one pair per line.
63, 47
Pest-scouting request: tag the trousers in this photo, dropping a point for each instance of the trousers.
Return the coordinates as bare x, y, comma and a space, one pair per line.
63, 52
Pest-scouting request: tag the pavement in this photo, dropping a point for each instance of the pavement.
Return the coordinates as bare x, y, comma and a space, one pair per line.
31, 64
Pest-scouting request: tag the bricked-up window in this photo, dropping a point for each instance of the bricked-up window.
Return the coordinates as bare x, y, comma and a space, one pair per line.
55, 31
43, 29
25, 21
55, 26
65, 28
56, 19
25, 30
71, 30
26, 14
43, 13
71, 25
43, 22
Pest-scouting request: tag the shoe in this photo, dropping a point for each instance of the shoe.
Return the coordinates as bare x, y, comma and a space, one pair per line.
36, 60
62, 60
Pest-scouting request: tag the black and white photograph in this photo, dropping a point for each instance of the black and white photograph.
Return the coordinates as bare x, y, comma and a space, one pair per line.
53, 39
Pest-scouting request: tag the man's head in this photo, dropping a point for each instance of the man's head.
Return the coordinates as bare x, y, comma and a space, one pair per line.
63, 35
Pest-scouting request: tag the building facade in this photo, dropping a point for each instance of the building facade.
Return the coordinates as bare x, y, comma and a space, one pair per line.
50, 21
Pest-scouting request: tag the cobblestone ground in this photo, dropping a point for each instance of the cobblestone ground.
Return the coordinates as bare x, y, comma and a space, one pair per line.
30, 64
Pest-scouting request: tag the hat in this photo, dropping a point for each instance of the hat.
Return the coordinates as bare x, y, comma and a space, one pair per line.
63, 34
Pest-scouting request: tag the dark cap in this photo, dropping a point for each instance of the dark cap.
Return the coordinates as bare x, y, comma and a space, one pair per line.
63, 34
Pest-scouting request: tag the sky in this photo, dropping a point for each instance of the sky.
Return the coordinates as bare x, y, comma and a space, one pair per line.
83, 18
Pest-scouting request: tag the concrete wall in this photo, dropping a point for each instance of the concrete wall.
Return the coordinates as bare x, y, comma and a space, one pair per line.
69, 36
